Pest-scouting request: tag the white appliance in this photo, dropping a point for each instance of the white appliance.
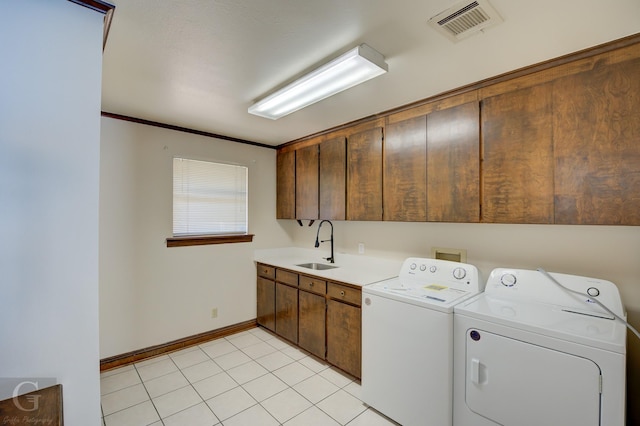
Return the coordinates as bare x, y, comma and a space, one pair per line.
407, 340
529, 353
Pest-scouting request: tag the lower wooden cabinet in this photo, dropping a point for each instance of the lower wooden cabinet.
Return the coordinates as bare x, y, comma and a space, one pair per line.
287, 312
266, 312
323, 318
344, 329
311, 323
344, 337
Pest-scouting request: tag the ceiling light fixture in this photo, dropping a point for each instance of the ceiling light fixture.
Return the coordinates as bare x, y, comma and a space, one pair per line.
356, 66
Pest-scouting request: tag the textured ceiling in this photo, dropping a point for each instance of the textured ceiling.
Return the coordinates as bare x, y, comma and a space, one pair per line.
201, 63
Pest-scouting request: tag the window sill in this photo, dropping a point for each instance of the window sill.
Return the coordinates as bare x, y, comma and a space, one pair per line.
202, 240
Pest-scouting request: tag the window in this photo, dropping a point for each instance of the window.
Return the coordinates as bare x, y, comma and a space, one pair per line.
209, 200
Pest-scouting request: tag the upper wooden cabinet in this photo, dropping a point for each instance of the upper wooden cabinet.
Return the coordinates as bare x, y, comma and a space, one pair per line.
286, 185
596, 129
333, 180
405, 170
364, 175
307, 182
453, 164
518, 156
558, 142
431, 163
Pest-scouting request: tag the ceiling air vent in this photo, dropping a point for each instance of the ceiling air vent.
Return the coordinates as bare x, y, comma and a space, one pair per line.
465, 19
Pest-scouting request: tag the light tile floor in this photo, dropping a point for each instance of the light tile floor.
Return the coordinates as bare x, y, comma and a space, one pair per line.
246, 379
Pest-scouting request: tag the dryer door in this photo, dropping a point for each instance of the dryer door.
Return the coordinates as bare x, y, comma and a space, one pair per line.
516, 383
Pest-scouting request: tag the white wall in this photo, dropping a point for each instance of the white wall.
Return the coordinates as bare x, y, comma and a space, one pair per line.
607, 252
151, 294
50, 82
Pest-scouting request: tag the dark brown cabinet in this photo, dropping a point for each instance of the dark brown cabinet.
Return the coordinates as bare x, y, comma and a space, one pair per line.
364, 175
333, 180
266, 312
453, 164
432, 166
405, 170
311, 317
307, 182
287, 305
596, 130
266, 295
344, 328
286, 185
517, 158
323, 318
557, 142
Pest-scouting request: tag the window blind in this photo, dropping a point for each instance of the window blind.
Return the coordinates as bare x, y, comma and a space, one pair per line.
209, 198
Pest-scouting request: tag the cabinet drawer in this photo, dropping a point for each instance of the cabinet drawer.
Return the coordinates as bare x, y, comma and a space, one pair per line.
344, 293
313, 285
287, 277
266, 271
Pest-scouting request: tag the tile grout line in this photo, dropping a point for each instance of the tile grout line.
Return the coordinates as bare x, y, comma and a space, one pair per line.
147, 391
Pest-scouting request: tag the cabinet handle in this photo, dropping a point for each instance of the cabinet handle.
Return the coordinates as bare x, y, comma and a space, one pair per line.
342, 293
311, 284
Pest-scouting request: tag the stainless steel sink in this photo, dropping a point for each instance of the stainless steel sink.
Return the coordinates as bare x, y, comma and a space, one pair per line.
316, 266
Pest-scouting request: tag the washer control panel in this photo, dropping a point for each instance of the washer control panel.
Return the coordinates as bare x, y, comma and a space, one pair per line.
437, 271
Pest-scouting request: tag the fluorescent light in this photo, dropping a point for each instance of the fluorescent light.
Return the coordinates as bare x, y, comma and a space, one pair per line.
356, 66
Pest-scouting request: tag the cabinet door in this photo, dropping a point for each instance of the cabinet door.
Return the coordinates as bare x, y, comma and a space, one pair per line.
344, 337
453, 164
518, 156
364, 175
333, 179
287, 312
405, 170
311, 323
307, 182
266, 309
286, 185
597, 146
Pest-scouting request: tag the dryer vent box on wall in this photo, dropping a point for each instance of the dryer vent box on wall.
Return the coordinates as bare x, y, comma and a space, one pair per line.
450, 254
465, 19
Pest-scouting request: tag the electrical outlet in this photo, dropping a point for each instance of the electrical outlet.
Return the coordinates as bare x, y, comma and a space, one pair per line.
360, 248
214, 313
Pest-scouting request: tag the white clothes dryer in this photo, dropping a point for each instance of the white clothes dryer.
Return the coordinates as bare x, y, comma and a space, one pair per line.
407, 340
529, 353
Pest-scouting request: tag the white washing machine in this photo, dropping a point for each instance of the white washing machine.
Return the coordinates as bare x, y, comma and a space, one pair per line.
529, 353
407, 340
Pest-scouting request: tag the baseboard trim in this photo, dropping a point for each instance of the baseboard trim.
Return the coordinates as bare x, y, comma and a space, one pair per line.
152, 351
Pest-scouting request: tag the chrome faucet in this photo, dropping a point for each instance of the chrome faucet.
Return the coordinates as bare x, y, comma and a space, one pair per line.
330, 259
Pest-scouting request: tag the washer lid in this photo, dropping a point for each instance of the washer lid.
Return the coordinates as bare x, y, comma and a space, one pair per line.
438, 296
547, 319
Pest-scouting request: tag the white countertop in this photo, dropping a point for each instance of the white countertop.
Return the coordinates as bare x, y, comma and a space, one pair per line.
351, 269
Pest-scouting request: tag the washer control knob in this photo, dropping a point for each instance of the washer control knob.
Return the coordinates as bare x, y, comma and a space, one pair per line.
423, 268
433, 269
593, 292
459, 273
508, 280
413, 266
